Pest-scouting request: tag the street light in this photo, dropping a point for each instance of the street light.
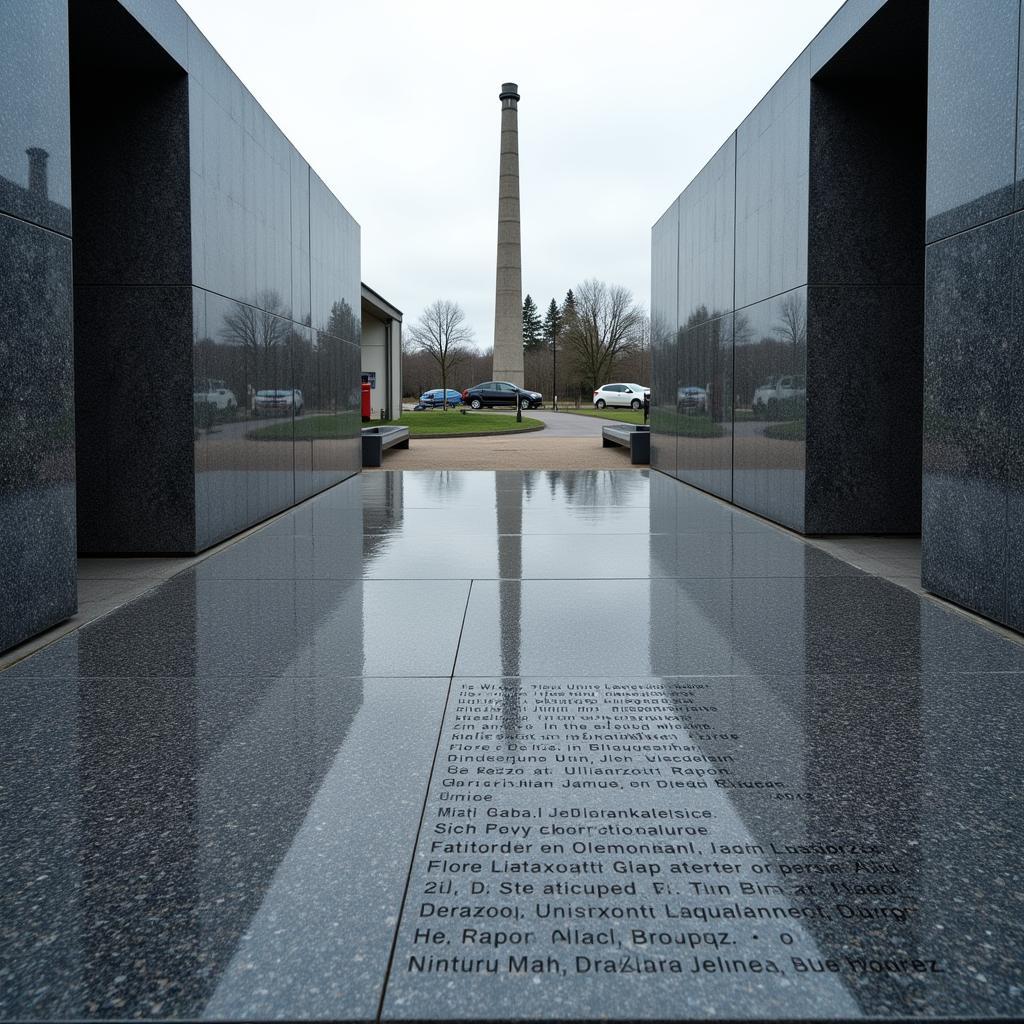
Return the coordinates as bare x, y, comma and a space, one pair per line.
554, 369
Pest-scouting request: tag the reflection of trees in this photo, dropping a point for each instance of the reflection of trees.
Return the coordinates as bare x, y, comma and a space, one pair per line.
255, 347
775, 347
792, 323
705, 363
258, 329
595, 487
342, 323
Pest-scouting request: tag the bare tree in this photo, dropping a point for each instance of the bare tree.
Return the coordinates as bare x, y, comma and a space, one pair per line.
607, 324
259, 328
443, 334
635, 365
792, 323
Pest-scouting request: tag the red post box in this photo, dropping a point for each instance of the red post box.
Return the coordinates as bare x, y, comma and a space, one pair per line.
366, 400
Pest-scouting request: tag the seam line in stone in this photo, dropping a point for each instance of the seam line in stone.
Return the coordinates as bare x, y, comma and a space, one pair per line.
423, 814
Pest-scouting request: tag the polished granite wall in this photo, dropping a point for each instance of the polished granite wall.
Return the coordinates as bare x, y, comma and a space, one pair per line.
973, 510
37, 462
211, 264
789, 311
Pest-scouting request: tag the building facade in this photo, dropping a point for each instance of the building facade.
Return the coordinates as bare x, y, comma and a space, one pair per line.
179, 301
382, 354
836, 298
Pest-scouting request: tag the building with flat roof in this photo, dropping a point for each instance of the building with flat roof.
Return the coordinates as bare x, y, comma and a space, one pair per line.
382, 354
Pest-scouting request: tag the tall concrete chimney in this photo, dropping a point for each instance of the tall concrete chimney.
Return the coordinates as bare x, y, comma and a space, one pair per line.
508, 292
37, 181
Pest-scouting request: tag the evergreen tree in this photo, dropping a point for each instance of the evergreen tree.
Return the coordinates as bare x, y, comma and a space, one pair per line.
552, 324
568, 308
532, 337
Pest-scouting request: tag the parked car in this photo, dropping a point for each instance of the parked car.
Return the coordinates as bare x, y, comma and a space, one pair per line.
216, 394
500, 392
277, 402
780, 396
692, 399
626, 396
434, 398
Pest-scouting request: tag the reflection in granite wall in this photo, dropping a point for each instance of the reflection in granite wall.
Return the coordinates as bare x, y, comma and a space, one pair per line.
972, 112
799, 290
704, 406
772, 181
770, 409
225, 388
664, 311
973, 510
37, 461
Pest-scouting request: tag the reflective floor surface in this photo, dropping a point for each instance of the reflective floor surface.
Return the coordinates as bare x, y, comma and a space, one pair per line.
520, 745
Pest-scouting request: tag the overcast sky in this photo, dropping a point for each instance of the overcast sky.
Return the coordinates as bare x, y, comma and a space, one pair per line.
395, 105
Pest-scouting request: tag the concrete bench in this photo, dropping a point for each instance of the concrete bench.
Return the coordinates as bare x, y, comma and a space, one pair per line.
636, 438
376, 439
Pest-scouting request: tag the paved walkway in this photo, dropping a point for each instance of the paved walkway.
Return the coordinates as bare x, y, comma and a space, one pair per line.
563, 424
514, 746
566, 442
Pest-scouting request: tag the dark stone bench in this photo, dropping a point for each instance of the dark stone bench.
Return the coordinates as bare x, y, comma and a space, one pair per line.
376, 439
636, 438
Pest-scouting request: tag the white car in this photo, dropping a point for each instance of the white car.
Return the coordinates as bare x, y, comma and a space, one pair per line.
692, 399
277, 402
216, 394
626, 396
777, 395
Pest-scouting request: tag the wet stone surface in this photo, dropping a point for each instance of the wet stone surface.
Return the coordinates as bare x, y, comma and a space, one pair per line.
528, 762
698, 847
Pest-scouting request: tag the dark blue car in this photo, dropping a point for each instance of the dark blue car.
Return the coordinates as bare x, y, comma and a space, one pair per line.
434, 399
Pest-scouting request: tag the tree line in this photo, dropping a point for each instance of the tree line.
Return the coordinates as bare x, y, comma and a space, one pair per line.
597, 334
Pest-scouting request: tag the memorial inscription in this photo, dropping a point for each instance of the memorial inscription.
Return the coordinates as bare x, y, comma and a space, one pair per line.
635, 849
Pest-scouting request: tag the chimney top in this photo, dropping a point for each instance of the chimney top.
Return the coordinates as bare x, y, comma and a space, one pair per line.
509, 91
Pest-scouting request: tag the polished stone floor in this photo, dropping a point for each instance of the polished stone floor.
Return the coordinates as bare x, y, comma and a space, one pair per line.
515, 745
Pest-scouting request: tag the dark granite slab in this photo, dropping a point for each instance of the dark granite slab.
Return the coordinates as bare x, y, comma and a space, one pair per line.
542, 490
693, 848
771, 793
37, 443
970, 331
713, 626
231, 847
972, 113
267, 627
404, 553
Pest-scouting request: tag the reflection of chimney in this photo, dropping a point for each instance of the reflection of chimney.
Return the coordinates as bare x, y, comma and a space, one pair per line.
37, 183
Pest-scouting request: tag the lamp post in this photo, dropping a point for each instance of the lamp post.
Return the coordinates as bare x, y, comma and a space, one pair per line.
554, 369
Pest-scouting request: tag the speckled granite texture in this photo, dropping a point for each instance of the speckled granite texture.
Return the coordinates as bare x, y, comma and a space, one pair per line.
876, 299
37, 445
973, 528
514, 746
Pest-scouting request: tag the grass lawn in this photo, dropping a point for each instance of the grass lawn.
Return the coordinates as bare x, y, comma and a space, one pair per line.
684, 425
794, 430
309, 427
622, 415
430, 423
